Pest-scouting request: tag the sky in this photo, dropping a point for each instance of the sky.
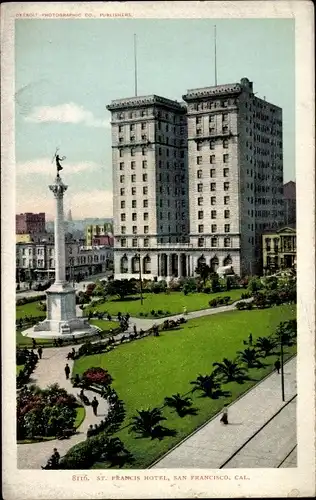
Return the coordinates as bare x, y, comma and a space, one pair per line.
67, 71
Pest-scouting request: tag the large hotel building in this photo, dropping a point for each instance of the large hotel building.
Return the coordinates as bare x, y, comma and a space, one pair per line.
196, 181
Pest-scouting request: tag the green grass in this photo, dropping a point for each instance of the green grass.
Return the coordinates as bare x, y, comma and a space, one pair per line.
166, 364
30, 309
174, 302
81, 415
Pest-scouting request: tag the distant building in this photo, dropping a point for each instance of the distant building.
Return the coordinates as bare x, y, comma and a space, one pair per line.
29, 223
99, 234
289, 191
279, 250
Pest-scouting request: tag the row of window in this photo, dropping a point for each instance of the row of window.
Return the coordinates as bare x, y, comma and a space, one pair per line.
223, 103
133, 178
199, 144
212, 118
214, 242
200, 186
199, 159
212, 130
199, 173
213, 214
213, 200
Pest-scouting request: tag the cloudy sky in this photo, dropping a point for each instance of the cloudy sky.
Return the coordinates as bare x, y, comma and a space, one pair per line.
67, 71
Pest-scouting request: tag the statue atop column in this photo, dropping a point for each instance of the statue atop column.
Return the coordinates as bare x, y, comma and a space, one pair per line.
58, 159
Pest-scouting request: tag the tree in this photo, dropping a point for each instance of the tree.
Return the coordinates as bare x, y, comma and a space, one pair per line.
229, 369
207, 384
146, 421
115, 451
254, 284
179, 403
265, 345
250, 357
204, 271
215, 283
122, 288
99, 290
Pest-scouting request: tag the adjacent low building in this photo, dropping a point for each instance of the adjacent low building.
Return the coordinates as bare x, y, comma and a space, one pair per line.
29, 223
279, 250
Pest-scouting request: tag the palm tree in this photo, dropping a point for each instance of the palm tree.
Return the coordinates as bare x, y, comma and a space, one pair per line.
229, 369
265, 345
179, 403
113, 450
250, 357
206, 383
145, 422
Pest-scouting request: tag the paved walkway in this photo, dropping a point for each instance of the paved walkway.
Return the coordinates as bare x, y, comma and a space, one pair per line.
214, 444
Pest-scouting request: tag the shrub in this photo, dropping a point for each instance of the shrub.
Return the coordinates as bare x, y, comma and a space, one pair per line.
206, 289
28, 300
96, 375
241, 305
246, 295
213, 303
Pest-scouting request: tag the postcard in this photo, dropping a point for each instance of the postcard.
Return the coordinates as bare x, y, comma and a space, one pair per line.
158, 249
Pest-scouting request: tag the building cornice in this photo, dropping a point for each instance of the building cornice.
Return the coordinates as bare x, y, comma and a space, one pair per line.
206, 92
138, 102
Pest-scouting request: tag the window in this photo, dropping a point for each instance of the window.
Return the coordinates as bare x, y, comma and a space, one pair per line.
198, 146
226, 200
201, 242
133, 191
134, 203
132, 138
227, 228
214, 228
122, 165
145, 203
200, 201
200, 214
213, 200
213, 186
145, 215
198, 119
212, 144
146, 229
213, 214
146, 242
122, 178
225, 143
122, 191
123, 242
145, 190
134, 216
199, 160
132, 152
211, 118
199, 174
225, 158
226, 186
201, 228
226, 214
214, 241
144, 163
212, 172
133, 165
121, 154
134, 229
226, 172
212, 159
123, 229
225, 117
143, 125
145, 177
123, 217
144, 151
120, 128
133, 178
132, 126
134, 242
144, 112
123, 204
200, 188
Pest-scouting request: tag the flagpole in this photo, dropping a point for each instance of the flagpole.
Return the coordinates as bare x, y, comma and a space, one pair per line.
135, 64
215, 55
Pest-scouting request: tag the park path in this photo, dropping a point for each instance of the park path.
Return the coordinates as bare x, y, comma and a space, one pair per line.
50, 369
214, 444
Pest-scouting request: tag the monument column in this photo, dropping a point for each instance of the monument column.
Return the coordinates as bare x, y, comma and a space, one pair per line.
58, 189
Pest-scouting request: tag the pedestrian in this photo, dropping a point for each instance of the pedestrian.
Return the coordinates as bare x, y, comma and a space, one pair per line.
277, 365
67, 371
95, 404
250, 339
55, 459
40, 352
135, 329
90, 431
224, 417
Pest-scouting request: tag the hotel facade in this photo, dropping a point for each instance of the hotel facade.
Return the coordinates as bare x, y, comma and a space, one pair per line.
196, 181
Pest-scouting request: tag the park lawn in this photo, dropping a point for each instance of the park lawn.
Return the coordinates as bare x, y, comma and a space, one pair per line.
30, 309
81, 415
22, 341
148, 370
170, 303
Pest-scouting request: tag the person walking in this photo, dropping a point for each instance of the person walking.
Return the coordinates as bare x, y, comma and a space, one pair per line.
55, 459
67, 371
135, 329
224, 417
95, 404
277, 365
40, 352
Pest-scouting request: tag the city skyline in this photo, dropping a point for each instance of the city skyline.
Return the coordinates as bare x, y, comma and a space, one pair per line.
53, 110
